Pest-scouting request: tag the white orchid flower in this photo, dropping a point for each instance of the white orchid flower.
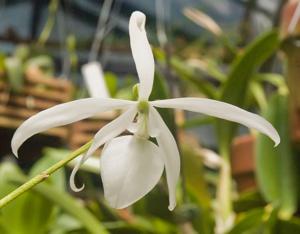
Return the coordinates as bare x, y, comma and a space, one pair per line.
132, 165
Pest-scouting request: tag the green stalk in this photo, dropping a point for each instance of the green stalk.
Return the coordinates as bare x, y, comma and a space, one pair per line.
50, 22
224, 203
42, 176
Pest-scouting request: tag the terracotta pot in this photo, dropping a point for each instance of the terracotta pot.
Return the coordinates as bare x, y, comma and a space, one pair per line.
287, 13
242, 162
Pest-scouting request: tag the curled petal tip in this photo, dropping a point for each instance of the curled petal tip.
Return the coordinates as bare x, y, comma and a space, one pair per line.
75, 189
275, 137
14, 148
139, 18
72, 178
277, 142
15, 152
171, 207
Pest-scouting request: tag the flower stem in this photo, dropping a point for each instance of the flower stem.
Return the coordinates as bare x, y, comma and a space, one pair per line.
224, 202
42, 176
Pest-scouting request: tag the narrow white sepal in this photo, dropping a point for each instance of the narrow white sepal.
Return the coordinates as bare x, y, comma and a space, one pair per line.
170, 153
63, 114
222, 110
94, 80
142, 53
105, 134
130, 167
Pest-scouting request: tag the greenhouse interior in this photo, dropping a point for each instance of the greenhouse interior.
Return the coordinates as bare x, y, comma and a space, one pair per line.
157, 116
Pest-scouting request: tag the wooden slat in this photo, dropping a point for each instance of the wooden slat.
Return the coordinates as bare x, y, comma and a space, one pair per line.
86, 125
80, 139
52, 95
35, 76
4, 97
31, 102
61, 132
3, 86
22, 113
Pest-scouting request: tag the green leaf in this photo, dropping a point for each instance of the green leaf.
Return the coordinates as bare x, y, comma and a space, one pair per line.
246, 65
249, 222
160, 91
125, 89
291, 226
276, 80
197, 188
69, 205
275, 167
248, 201
194, 174
41, 211
12, 217
14, 70
187, 73
43, 62
240, 75
22, 52
2, 64
258, 93
198, 121
111, 81
46, 161
65, 224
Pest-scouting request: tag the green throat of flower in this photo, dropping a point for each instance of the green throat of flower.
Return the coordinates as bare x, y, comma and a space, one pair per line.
142, 119
143, 107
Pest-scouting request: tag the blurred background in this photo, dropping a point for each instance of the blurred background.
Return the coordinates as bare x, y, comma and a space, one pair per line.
244, 52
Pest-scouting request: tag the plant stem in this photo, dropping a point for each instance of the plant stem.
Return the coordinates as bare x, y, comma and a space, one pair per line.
42, 176
224, 203
53, 6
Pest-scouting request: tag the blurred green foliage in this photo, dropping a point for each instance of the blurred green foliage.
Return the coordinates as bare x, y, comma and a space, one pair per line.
227, 73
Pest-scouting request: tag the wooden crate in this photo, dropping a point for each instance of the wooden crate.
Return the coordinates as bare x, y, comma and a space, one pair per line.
39, 92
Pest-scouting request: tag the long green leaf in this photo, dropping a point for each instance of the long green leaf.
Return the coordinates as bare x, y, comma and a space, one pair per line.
241, 73
186, 73
275, 167
69, 204
14, 218
250, 222
11, 216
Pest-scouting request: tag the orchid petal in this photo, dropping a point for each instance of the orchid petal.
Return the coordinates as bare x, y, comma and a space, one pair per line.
63, 114
105, 134
142, 53
222, 110
130, 167
170, 153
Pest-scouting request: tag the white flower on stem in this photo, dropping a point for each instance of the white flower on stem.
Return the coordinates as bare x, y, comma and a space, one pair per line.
132, 165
